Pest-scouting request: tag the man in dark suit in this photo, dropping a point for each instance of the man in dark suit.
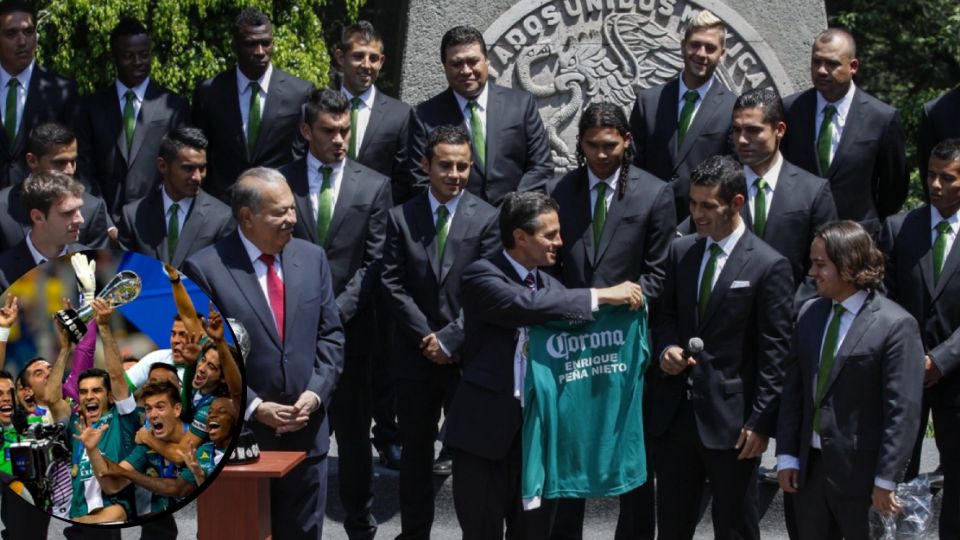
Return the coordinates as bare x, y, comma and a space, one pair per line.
119, 128
627, 238
938, 121
851, 399
53, 147
430, 240
279, 288
785, 204
178, 218
677, 125
53, 201
923, 276
716, 410
510, 147
847, 136
31, 94
500, 295
379, 132
250, 113
342, 206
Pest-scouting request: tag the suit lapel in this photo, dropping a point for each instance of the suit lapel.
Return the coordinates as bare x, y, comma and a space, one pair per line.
667, 113
30, 108
861, 324
458, 229
231, 100
427, 232
241, 270
688, 273
614, 215
922, 234
114, 118
804, 135
708, 109
584, 216
275, 95
494, 105
300, 186
950, 266
147, 110
191, 228
374, 125
786, 184
293, 272
350, 191
736, 262
851, 130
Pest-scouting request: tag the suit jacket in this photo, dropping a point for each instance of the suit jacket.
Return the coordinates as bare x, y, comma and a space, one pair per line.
653, 124
423, 290
938, 121
15, 220
17, 261
801, 203
870, 412
311, 355
746, 334
216, 111
906, 240
117, 174
868, 174
50, 97
636, 235
143, 227
517, 151
354, 244
384, 145
484, 417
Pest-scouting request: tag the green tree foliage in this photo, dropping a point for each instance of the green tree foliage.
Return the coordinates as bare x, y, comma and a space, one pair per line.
909, 53
191, 38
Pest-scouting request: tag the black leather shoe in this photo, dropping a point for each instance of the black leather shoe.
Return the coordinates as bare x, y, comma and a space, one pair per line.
390, 456
443, 466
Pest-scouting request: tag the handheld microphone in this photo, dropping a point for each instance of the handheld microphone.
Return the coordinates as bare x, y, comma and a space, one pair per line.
694, 346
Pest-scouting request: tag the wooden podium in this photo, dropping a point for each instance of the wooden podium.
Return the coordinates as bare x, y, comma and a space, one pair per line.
236, 504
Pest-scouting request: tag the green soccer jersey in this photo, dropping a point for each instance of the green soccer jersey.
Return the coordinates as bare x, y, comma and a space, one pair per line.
145, 460
582, 417
115, 443
208, 456
201, 409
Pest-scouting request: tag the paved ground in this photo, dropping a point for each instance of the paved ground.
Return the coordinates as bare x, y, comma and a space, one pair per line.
601, 516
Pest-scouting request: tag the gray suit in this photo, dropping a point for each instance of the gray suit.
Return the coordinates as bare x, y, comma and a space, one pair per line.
143, 227
384, 145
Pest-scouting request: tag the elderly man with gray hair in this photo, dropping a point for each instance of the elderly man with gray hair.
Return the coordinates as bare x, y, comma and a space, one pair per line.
279, 288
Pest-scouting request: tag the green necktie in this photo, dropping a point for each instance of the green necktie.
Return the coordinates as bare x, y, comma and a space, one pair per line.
325, 206
476, 133
825, 138
173, 229
940, 249
599, 214
443, 227
129, 117
760, 208
690, 98
827, 355
253, 118
354, 112
706, 282
10, 115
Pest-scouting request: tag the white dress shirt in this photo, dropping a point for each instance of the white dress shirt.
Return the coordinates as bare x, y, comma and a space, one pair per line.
726, 245
315, 182
24, 78
770, 179
611, 183
839, 118
243, 95
363, 112
183, 204
139, 91
702, 90
481, 100
935, 219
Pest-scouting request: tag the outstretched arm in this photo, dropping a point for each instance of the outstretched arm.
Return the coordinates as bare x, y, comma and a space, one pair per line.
111, 351
188, 314
8, 316
53, 392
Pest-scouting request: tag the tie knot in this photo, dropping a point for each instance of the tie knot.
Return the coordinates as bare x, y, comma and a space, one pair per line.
715, 250
326, 172
129, 95
174, 208
442, 212
472, 105
355, 103
760, 183
266, 259
601, 188
829, 111
530, 281
838, 310
943, 227
691, 96
13, 82
254, 87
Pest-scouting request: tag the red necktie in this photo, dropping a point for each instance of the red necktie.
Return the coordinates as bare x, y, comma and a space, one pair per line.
274, 292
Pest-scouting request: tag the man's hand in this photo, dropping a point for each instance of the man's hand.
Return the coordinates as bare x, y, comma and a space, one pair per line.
103, 309
674, 363
627, 292
430, 347
63, 337
751, 444
931, 373
306, 404
275, 415
788, 479
214, 325
86, 272
190, 460
885, 501
89, 436
9, 311
191, 349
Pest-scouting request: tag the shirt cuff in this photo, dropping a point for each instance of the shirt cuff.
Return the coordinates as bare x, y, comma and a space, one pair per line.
126, 406
443, 348
250, 408
594, 303
885, 484
785, 462
316, 404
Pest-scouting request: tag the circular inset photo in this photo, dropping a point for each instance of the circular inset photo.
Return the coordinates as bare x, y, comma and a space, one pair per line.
120, 390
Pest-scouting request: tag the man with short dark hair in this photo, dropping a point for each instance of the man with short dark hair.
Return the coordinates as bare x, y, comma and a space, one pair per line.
678, 124
938, 122
510, 147
715, 410
923, 276
500, 295
841, 133
279, 287
254, 98
29, 93
53, 201
179, 218
53, 147
851, 398
119, 128
430, 240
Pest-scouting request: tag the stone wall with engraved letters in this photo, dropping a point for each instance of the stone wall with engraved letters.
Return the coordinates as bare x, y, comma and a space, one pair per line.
569, 53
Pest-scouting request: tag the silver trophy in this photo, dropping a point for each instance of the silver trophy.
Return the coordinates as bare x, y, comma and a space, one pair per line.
241, 335
122, 289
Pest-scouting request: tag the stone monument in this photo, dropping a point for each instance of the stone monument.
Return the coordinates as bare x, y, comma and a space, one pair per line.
570, 53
